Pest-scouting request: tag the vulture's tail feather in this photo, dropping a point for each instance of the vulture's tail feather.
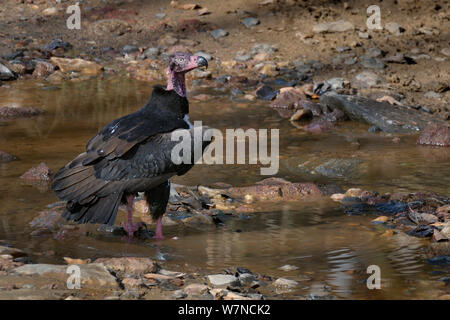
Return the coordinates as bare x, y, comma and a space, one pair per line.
78, 185
102, 211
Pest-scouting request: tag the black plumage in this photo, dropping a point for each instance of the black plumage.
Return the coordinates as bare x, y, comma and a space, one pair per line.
131, 154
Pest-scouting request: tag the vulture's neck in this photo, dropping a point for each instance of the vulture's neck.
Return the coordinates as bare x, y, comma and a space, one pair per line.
177, 82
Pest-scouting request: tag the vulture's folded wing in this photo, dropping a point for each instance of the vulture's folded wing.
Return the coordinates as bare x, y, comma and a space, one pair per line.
122, 134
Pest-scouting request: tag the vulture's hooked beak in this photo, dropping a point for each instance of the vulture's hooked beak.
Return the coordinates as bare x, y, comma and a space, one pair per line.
202, 62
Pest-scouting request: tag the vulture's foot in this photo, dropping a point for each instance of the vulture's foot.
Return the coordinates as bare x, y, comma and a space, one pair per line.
131, 228
158, 232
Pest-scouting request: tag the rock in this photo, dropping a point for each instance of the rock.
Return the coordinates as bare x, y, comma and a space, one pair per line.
150, 53
52, 11
203, 97
265, 92
336, 26
337, 83
195, 289
394, 28
78, 65
202, 74
263, 48
399, 58
288, 98
432, 95
205, 55
372, 63
276, 190
250, 22
242, 57
339, 168
5, 73
337, 196
247, 279
437, 236
319, 126
223, 280
383, 115
367, 79
363, 35
6, 157
283, 283
435, 135
129, 49
129, 265
93, 275
269, 70
218, 33
446, 52
439, 260
108, 27
8, 113
353, 192
288, 267
373, 52
43, 69
446, 230
41, 172
301, 115
380, 219
47, 221
56, 44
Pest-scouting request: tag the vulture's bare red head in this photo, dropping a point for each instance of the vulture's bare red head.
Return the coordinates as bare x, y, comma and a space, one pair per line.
179, 64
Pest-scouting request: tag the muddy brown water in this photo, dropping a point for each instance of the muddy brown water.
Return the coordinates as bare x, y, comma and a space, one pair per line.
331, 249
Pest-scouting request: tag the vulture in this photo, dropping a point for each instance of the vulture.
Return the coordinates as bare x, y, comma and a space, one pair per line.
132, 154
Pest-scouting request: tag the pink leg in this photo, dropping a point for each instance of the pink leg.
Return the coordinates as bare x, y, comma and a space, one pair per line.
158, 234
129, 226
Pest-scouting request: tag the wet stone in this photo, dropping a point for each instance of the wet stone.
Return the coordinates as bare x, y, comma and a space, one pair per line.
265, 92
380, 114
5, 73
6, 157
435, 135
41, 172
339, 168
223, 280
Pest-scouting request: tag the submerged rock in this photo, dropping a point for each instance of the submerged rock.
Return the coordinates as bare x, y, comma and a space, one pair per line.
380, 114
6, 157
41, 172
435, 135
8, 113
339, 168
276, 189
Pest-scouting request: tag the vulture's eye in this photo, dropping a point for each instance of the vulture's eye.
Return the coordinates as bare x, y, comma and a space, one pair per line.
180, 60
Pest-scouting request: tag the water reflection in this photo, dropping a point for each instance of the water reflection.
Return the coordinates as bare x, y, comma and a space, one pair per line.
331, 250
